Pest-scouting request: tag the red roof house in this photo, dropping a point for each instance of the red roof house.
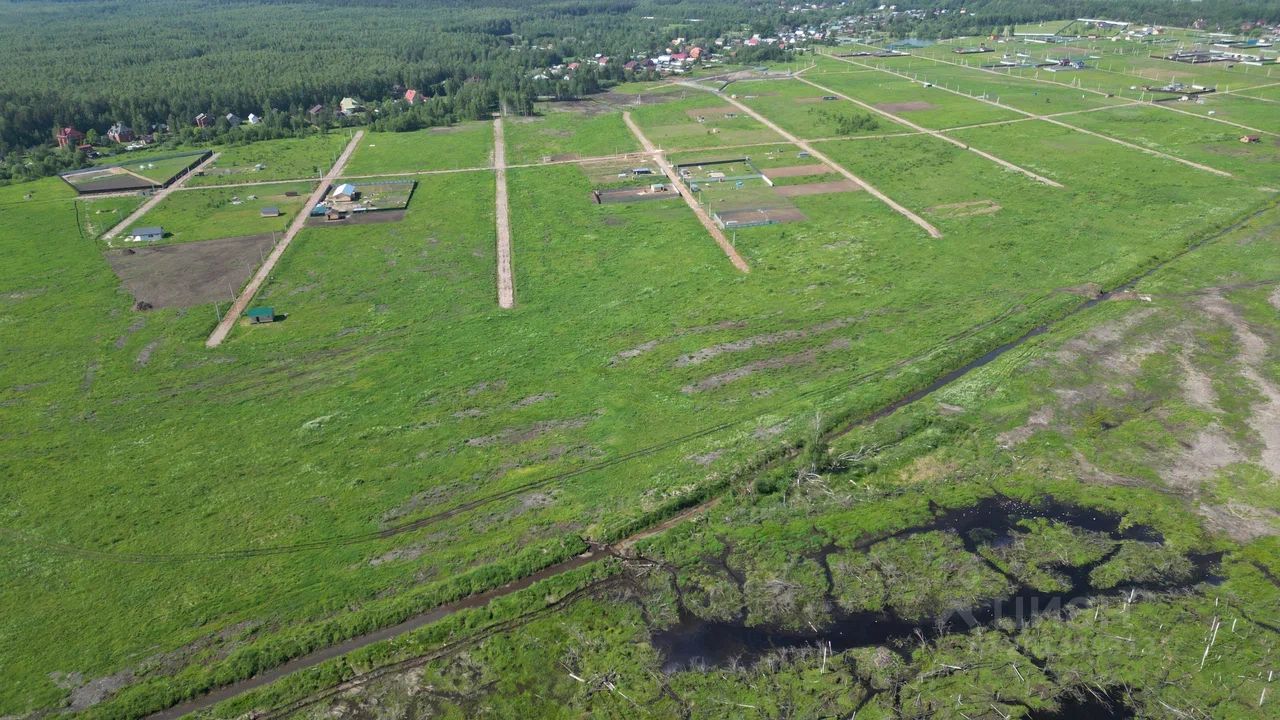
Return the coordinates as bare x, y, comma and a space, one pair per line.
412, 96
68, 136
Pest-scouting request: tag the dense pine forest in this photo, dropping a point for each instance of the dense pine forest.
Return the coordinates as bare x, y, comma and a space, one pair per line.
156, 63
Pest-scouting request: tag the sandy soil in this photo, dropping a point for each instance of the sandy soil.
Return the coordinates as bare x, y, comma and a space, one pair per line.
506, 276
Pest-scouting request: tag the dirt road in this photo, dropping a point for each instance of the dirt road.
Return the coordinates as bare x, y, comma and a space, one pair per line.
703, 217
929, 228
161, 194
506, 276
255, 283
1049, 119
919, 128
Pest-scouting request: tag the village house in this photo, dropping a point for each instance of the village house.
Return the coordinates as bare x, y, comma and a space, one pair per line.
412, 96
350, 106
233, 119
345, 192
68, 136
254, 119
203, 120
315, 110
146, 234
120, 133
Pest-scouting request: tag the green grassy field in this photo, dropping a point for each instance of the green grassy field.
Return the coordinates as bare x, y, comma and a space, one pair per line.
567, 134
398, 441
191, 215
460, 146
673, 125
98, 215
287, 159
799, 109
929, 107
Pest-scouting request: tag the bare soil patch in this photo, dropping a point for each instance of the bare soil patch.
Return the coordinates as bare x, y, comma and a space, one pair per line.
639, 194
636, 351
798, 170
363, 218
714, 351
911, 106
806, 357
515, 436
190, 273
1089, 290
713, 112
965, 209
584, 107
729, 218
115, 181
822, 188
617, 98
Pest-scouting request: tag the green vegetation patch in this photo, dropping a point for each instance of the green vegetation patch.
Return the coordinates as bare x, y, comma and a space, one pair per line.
467, 145
190, 215
285, 159
567, 134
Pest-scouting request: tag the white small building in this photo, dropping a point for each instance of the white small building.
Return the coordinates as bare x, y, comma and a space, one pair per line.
146, 234
254, 119
345, 192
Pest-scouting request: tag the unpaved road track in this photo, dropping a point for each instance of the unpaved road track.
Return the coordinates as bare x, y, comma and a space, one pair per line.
897, 207
255, 283
703, 217
226, 692
506, 275
1049, 119
919, 128
161, 194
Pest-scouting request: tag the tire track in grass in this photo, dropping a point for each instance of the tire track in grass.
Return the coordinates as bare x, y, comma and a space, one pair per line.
392, 531
442, 515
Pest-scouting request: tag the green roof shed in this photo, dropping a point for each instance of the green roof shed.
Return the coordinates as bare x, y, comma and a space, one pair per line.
261, 315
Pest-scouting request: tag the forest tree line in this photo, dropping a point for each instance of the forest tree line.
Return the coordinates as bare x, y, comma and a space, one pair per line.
149, 63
